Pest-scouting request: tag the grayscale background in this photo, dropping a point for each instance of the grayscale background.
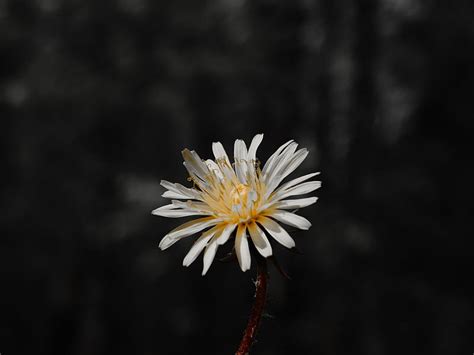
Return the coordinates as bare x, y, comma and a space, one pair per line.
97, 99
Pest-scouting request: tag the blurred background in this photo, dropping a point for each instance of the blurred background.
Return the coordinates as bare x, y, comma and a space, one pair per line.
97, 99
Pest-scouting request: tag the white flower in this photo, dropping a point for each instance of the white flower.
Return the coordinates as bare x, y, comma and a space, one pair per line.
238, 197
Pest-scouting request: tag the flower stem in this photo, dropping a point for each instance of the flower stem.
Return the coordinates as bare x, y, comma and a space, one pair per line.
257, 308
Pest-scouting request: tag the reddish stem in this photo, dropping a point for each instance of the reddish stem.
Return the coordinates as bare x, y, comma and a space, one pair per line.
257, 308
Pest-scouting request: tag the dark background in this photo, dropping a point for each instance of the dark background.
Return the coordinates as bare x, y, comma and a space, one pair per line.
97, 99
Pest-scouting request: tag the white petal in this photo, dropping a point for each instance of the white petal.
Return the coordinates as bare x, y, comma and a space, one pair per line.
240, 149
291, 219
260, 240
287, 167
224, 237
194, 164
219, 152
223, 161
242, 248
252, 153
167, 207
213, 167
198, 246
195, 194
277, 232
295, 162
186, 230
301, 189
177, 213
192, 205
209, 255
180, 190
292, 204
171, 194
240, 160
271, 161
296, 181
280, 162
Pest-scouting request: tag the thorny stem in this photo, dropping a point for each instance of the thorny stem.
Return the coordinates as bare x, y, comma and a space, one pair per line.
257, 308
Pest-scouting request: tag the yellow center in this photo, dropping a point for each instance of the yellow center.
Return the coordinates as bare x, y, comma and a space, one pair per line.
240, 194
232, 200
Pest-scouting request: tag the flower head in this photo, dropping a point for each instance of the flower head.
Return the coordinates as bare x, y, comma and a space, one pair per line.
241, 197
